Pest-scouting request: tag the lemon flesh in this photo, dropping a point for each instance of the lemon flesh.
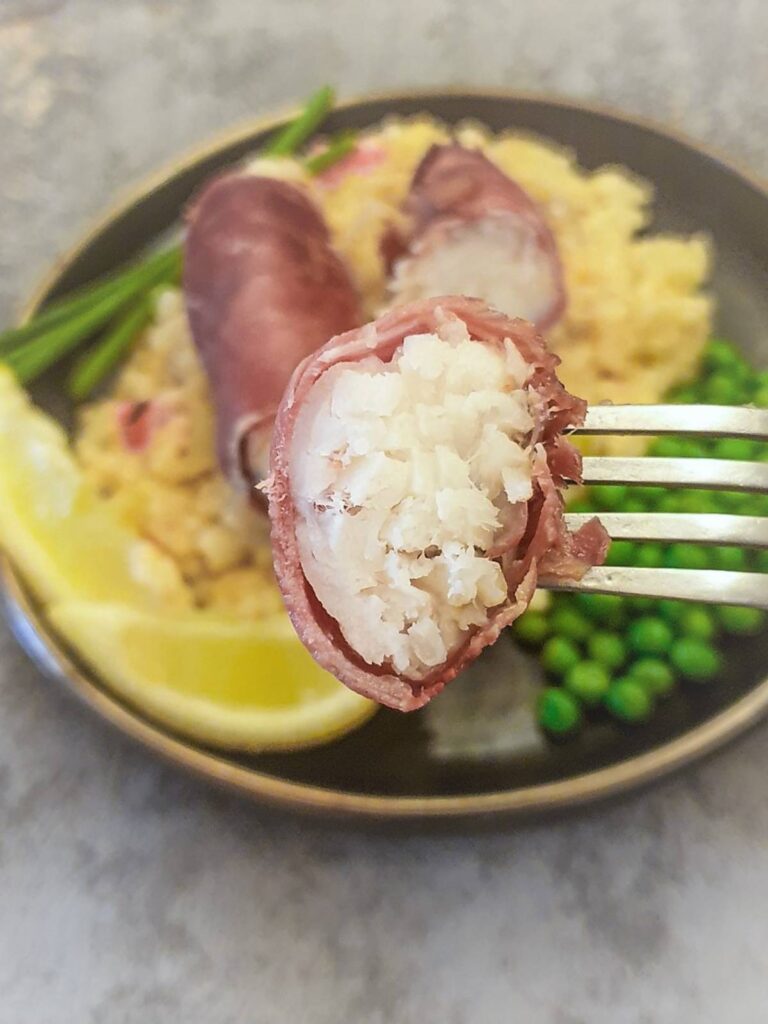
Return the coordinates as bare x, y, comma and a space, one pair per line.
58, 532
245, 685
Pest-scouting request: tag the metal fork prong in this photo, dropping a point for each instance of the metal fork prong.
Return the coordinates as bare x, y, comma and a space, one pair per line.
703, 420
746, 531
711, 586
716, 474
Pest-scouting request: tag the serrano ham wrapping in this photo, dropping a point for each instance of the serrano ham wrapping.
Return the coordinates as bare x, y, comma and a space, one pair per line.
263, 289
416, 470
474, 231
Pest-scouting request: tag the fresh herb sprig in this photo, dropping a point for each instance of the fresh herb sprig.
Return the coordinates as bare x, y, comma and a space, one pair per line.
291, 138
99, 360
338, 147
117, 307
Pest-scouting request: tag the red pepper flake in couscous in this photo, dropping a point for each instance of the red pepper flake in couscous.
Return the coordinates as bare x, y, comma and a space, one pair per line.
148, 450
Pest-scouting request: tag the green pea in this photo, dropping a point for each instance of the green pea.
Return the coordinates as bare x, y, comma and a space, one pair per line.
720, 355
655, 675
735, 448
621, 552
649, 556
733, 501
649, 495
742, 372
741, 621
754, 505
695, 659
722, 389
671, 502
672, 611
641, 604
712, 497
697, 500
570, 623
603, 608
607, 649
687, 502
531, 629
695, 447
649, 635
682, 502
557, 711
728, 558
675, 448
558, 655
588, 681
683, 396
697, 622
707, 445
629, 700
609, 496
686, 556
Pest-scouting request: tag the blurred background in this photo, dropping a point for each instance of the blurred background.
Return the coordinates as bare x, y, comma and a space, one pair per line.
133, 894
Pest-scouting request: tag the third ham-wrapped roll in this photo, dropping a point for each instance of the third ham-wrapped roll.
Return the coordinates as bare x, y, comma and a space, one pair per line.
474, 231
416, 471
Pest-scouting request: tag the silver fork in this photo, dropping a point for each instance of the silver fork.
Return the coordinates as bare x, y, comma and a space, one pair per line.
714, 586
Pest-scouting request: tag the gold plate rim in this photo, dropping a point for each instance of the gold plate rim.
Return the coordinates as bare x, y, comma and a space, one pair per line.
530, 800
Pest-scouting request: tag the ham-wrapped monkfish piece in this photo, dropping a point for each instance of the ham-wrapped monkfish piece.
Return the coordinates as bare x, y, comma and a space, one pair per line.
416, 469
474, 231
263, 289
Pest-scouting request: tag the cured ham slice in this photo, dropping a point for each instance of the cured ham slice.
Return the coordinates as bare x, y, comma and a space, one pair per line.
474, 231
263, 289
415, 493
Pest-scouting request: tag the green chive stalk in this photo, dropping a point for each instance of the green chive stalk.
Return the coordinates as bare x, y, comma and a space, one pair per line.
99, 361
124, 283
338, 147
286, 141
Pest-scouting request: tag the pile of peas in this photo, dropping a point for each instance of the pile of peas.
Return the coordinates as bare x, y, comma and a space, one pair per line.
626, 654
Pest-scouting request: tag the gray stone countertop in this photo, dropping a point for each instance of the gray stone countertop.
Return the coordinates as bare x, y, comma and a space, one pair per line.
130, 893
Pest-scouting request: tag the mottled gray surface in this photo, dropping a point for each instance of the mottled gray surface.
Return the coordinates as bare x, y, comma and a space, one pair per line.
131, 894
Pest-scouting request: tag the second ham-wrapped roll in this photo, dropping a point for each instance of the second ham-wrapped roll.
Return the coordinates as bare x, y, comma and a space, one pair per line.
416, 470
475, 231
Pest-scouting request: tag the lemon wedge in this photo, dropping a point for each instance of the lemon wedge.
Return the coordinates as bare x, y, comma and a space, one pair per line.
240, 685
229, 683
66, 543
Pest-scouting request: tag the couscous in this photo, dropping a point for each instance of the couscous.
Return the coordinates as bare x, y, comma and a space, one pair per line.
635, 324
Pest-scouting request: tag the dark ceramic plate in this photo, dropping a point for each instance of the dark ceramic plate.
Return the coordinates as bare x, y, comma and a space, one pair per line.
475, 750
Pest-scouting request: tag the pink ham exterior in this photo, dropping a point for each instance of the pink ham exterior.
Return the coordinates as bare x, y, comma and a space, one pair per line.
263, 290
452, 185
537, 539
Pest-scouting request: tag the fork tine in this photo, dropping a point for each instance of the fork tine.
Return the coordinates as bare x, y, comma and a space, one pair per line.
722, 421
711, 586
716, 586
745, 531
717, 474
